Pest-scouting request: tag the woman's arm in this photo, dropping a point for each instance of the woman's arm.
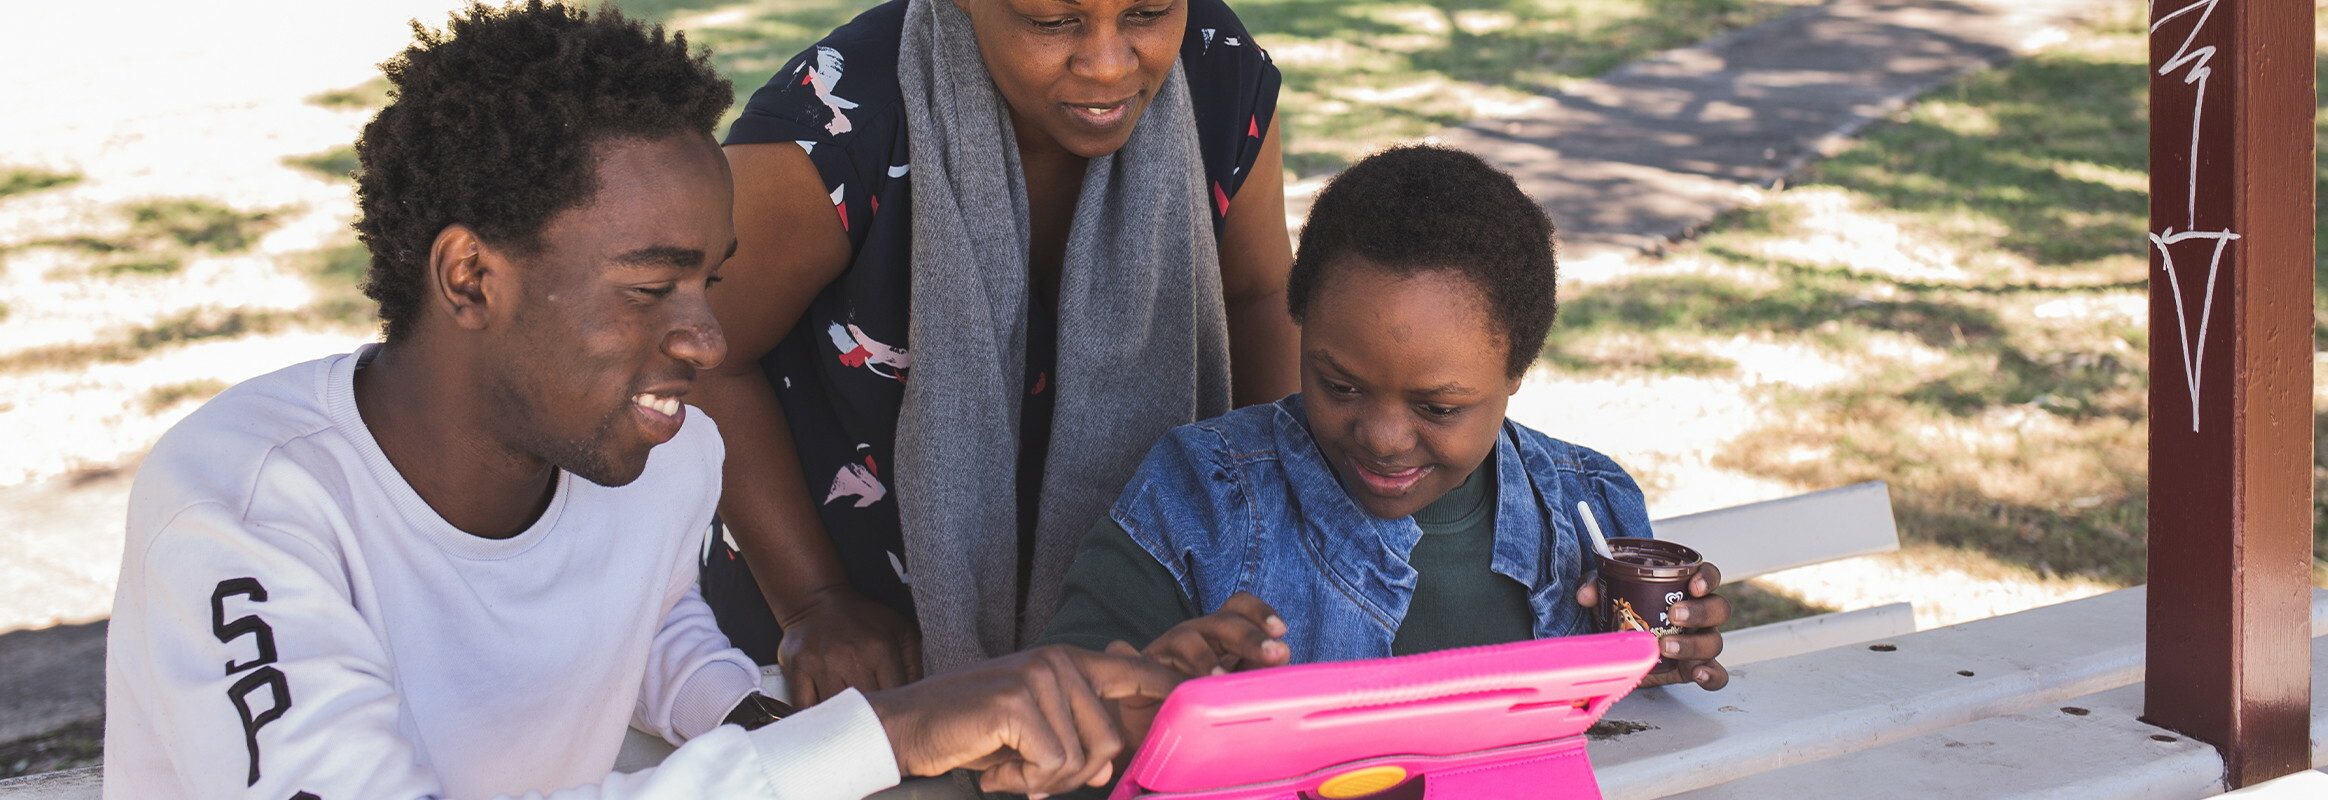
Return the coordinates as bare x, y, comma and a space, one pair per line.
1256, 254
789, 246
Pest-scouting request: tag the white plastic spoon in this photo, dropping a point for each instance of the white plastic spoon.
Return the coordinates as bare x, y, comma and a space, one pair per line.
1600, 543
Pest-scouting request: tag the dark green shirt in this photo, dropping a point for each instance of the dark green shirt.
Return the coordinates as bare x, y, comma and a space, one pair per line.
1116, 590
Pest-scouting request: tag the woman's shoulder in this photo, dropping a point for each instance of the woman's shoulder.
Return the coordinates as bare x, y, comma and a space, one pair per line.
844, 85
1221, 59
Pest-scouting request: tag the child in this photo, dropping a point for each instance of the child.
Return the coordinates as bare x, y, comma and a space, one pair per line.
1389, 508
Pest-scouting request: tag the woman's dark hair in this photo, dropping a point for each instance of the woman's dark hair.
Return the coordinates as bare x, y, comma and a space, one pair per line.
1421, 208
492, 124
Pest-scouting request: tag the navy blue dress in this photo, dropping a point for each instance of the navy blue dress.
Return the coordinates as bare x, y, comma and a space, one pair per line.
840, 373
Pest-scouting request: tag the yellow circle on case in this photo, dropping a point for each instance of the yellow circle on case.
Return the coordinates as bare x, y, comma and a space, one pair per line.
1361, 782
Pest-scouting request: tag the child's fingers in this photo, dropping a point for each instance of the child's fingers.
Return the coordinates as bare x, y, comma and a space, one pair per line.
1588, 590
1690, 646
1710, 676
1708, 578
1711, 611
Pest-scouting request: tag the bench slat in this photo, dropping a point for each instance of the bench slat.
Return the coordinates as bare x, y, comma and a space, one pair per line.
1797, 636
1766, 537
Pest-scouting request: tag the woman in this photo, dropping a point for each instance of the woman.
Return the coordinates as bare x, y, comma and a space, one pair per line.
985, 258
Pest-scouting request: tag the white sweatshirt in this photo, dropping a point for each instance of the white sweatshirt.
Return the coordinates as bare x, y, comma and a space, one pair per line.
293, 621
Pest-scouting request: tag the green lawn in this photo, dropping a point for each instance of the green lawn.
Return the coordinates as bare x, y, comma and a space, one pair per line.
1979, 261
1358, 73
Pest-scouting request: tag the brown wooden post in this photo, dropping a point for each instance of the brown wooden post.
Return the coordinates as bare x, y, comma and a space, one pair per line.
2231, 175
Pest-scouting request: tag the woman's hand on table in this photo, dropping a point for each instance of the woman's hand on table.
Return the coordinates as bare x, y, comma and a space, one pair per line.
843, 640
1695, 649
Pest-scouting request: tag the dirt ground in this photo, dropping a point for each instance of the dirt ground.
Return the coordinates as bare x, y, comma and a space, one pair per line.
154, 102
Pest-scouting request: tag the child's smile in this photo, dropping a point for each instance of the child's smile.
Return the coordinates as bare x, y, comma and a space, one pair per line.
1403, 383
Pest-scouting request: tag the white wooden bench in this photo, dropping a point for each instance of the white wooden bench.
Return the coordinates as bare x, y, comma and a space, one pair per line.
1757, 539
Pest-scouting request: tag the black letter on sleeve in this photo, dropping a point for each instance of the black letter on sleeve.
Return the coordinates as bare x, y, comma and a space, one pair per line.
261, 675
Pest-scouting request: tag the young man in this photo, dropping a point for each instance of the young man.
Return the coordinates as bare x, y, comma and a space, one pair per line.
459, 562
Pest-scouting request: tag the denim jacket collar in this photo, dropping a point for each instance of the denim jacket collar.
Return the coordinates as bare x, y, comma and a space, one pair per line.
1369, 555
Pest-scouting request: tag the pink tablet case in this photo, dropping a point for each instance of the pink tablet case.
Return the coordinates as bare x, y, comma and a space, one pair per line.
1501, 721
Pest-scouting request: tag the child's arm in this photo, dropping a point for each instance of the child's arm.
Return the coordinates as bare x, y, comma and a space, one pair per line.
1115, 591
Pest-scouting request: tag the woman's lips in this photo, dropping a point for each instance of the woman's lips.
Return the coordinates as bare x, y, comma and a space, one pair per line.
1389, 482
1100, 115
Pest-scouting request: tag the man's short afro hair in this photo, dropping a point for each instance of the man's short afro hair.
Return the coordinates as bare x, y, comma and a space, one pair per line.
1421, 208
492, 124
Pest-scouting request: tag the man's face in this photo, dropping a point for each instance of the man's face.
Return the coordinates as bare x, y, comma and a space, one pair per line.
1078, 73
1403, 383
611, 323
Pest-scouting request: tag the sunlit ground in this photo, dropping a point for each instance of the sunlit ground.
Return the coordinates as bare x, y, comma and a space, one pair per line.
1954, 307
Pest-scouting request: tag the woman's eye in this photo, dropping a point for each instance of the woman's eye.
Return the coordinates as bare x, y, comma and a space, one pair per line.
1342, 389
713, 280
1059, 24
657, 292
1441, 411
1147, 15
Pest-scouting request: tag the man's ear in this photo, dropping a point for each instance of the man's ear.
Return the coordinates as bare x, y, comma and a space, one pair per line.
459, 268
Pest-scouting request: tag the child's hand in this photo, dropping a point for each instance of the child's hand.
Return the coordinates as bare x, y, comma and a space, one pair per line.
1694, 650
1245, 634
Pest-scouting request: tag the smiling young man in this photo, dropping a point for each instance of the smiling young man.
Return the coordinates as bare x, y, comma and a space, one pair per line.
460, 562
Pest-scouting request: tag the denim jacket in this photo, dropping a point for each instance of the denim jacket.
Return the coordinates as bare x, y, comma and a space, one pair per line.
1245, 502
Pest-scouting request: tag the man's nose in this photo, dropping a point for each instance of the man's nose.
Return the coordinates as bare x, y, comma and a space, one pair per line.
697, 340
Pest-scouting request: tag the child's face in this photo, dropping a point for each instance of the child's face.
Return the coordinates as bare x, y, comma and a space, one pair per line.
1403, 382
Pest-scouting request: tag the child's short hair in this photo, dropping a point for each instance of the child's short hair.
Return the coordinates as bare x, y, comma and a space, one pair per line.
1421, 208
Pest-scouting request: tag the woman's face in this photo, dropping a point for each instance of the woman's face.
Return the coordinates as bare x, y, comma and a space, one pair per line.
1403, 382
1078, 73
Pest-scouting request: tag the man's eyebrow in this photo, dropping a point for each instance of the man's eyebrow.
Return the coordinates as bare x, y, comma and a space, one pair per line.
664, 256
1450, 387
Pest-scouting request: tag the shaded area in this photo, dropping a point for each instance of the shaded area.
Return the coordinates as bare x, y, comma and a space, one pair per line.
21, 180
1358, 73
79, 744
2010, 426
185, 327
1753, 603
50, 678
162, 234
338, 163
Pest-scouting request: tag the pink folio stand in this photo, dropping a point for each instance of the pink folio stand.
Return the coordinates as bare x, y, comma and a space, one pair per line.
1501, 721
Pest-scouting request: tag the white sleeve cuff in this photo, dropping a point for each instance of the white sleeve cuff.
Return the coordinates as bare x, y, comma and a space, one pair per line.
833, 749
703, 702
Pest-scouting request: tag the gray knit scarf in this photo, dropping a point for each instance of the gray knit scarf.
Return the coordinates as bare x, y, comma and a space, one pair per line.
1143, 338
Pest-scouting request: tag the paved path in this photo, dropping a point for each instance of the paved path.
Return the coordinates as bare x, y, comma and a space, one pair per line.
1626, 163
1657, 148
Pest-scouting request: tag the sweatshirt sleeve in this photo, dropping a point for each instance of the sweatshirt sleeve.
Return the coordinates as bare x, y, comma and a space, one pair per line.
694, 677
247, 658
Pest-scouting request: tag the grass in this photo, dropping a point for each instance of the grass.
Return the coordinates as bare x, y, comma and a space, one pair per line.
1978, 263
23, 180
365, 96
194, 223
162, 235
183, 328
164, 397
338, 163
1358, 73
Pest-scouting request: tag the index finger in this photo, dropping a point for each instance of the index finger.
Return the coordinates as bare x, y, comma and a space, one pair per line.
1116, 677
